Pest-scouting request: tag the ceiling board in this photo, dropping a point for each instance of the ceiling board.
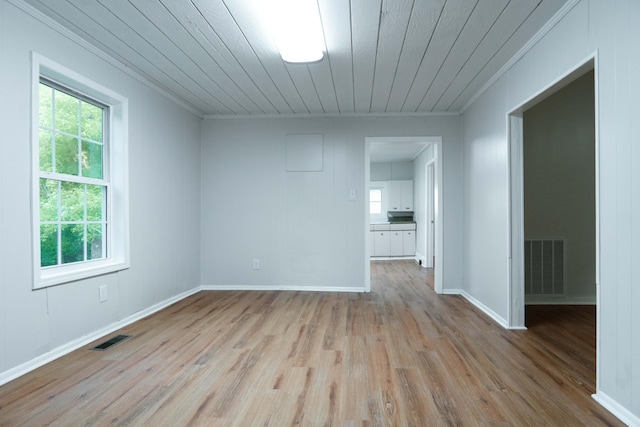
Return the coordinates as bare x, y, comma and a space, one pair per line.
382, 56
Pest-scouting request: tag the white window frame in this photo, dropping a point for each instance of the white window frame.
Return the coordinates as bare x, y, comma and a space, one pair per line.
116, 162
380, 185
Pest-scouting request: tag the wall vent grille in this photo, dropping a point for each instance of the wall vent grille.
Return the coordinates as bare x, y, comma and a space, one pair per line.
544, 267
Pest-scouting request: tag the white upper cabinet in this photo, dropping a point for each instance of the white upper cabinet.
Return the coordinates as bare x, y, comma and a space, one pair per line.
400, 196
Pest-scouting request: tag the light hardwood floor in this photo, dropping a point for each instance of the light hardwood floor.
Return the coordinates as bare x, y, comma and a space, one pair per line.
398, 356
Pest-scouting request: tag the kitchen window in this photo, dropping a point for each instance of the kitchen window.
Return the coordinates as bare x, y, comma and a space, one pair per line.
378, 201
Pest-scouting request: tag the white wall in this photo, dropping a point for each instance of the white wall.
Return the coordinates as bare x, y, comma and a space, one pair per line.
164, 154
611, 29
559, 183
301, 225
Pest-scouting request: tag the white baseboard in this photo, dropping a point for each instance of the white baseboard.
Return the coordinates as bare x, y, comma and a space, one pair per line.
486, 310
359, 289
67, 348
392, 258
622, 413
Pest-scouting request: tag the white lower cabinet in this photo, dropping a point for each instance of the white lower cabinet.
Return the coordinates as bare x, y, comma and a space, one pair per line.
381, 243
396, 246
409, 242
393, 240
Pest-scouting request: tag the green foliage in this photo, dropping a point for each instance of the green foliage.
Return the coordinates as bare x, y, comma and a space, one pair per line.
72, 214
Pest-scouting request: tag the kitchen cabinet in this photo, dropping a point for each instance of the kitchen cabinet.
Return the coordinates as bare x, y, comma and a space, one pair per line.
409, 242
396, 245
400, 196
381, 242
389, 240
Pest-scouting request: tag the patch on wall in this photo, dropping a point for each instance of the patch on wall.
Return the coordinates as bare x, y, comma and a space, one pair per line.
544, 267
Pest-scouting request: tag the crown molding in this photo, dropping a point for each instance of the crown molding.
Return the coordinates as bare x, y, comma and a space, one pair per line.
328, 115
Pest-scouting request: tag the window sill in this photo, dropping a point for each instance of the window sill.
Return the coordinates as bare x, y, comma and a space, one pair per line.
74, 272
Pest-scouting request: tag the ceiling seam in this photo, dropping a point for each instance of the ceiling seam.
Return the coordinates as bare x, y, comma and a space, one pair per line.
395, 73
261, 65
375, 58
435, 28
191, 59
472, 53
564, 10
212, 59
153, 47
75, 38
475, 7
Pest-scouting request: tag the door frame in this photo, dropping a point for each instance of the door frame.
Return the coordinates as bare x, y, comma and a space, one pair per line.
436, 143
516, 302
430, 213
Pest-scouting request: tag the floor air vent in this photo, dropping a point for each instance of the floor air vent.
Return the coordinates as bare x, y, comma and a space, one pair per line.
110, 343
544, 266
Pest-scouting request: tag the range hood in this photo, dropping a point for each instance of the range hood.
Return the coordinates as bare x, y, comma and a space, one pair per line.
400, 216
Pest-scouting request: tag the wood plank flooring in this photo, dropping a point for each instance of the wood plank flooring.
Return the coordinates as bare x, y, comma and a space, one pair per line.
398, 356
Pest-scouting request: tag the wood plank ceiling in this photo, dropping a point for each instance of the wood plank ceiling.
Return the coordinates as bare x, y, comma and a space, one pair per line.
382, 56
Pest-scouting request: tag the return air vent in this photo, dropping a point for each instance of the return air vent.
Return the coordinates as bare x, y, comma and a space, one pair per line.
544, 267
111, 342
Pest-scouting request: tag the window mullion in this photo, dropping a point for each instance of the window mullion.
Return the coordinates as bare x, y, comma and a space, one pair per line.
59, 224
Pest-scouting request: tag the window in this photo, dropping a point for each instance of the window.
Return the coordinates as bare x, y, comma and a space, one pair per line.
375, 201
73, 185
80, 192
378, 201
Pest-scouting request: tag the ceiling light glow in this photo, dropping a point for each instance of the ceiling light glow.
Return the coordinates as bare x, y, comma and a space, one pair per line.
296, 28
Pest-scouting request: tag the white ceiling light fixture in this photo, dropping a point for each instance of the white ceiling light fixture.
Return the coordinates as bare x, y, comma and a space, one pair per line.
296, 28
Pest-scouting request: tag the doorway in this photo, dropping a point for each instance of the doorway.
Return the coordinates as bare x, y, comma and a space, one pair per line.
554, 197
434, 147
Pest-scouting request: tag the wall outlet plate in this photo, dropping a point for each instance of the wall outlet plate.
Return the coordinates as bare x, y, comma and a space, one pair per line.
103, 293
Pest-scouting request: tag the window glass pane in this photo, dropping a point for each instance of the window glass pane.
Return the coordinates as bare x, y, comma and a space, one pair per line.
72, 198
48, 200
95, 202
72, 239
375, 195
91, 121
375, 208
66, 113
46, 95
66, 155
46, 161
48, 245
94, 241
91, 160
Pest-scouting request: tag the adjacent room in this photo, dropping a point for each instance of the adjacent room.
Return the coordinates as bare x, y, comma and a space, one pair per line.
427, 215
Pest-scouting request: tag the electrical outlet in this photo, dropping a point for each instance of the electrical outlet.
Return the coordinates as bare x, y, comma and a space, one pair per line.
103, 293
256, 263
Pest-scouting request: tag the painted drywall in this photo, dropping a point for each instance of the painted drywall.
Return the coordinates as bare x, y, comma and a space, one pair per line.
164, 178
559, 183
387, 171
302, 226
609, 29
